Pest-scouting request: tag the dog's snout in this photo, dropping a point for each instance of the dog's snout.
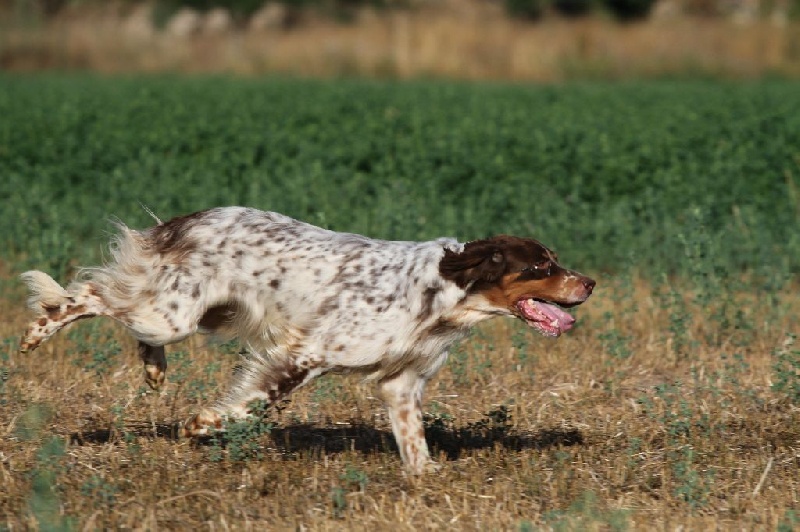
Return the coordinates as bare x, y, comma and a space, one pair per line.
589, 284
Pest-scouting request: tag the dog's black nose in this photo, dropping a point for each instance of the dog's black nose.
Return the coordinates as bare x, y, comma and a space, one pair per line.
589, 284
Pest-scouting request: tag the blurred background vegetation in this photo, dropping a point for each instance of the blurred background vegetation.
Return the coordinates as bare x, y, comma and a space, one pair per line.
538, 40
663, 175
242, 10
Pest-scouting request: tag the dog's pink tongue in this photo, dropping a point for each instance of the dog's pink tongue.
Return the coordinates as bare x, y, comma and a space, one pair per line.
553, 313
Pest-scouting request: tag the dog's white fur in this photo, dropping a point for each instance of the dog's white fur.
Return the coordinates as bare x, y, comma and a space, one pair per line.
304, 301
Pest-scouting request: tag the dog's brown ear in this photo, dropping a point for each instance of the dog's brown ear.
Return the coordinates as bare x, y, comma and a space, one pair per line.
481, 261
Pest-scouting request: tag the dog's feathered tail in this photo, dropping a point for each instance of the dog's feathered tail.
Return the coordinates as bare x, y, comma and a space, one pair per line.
45, 292
56, 307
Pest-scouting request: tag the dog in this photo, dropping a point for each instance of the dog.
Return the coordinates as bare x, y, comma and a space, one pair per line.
305, 301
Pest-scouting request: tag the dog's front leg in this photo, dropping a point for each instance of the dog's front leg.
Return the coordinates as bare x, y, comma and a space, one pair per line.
155, 364
402, 394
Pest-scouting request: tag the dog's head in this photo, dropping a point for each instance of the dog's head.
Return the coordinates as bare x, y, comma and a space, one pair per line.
519, 276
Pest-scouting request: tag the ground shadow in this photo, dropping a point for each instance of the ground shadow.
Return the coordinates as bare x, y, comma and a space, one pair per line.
452, 441
363, 437
168, 431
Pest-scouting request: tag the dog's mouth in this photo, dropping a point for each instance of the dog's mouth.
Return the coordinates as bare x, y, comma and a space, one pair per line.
545, 317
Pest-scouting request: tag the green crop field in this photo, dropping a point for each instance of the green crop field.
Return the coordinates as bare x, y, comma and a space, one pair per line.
673, 403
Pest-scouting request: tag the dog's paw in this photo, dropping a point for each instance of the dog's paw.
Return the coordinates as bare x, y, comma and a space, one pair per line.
31, 340
201, 424
154, 376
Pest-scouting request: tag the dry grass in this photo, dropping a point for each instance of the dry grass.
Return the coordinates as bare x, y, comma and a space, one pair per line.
658, 439
468, 40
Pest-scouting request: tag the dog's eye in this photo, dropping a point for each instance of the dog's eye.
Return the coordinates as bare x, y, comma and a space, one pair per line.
539, 268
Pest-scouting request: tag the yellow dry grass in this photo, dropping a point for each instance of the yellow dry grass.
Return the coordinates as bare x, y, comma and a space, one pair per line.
657, 440
466, 40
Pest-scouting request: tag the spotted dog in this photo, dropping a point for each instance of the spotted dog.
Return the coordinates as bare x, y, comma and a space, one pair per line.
306, 301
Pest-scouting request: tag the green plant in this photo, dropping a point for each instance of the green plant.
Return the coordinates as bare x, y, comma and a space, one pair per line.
44, 501
458, 361
601, 161
338, 500
327, 388
240, 440
5, 369
681, 425
789, 522
102, 493
97, 340
786, 370
354, 477
584, 514
680, 318
691, 485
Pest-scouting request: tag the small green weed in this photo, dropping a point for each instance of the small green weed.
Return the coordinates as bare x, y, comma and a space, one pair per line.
458, 361
98, 340
354, 477
338, 501
691, 485
584, 514
786, 370
102, 493
327, 388
673, 411
615, 340
789, 522
241, 439
7, 346
44, 501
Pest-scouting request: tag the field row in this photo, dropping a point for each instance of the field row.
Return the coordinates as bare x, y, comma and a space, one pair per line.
649, 173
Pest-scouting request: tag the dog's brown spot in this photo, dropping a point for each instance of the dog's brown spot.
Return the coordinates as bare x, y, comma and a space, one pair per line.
442, 326
277, 386
275, 283
76, 309
170, 238
218, 316
42, 321
329, 305
428, 297
403, 415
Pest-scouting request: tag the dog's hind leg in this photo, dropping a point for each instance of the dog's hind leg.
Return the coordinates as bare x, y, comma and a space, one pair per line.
57, 307
258, 379
155, 364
